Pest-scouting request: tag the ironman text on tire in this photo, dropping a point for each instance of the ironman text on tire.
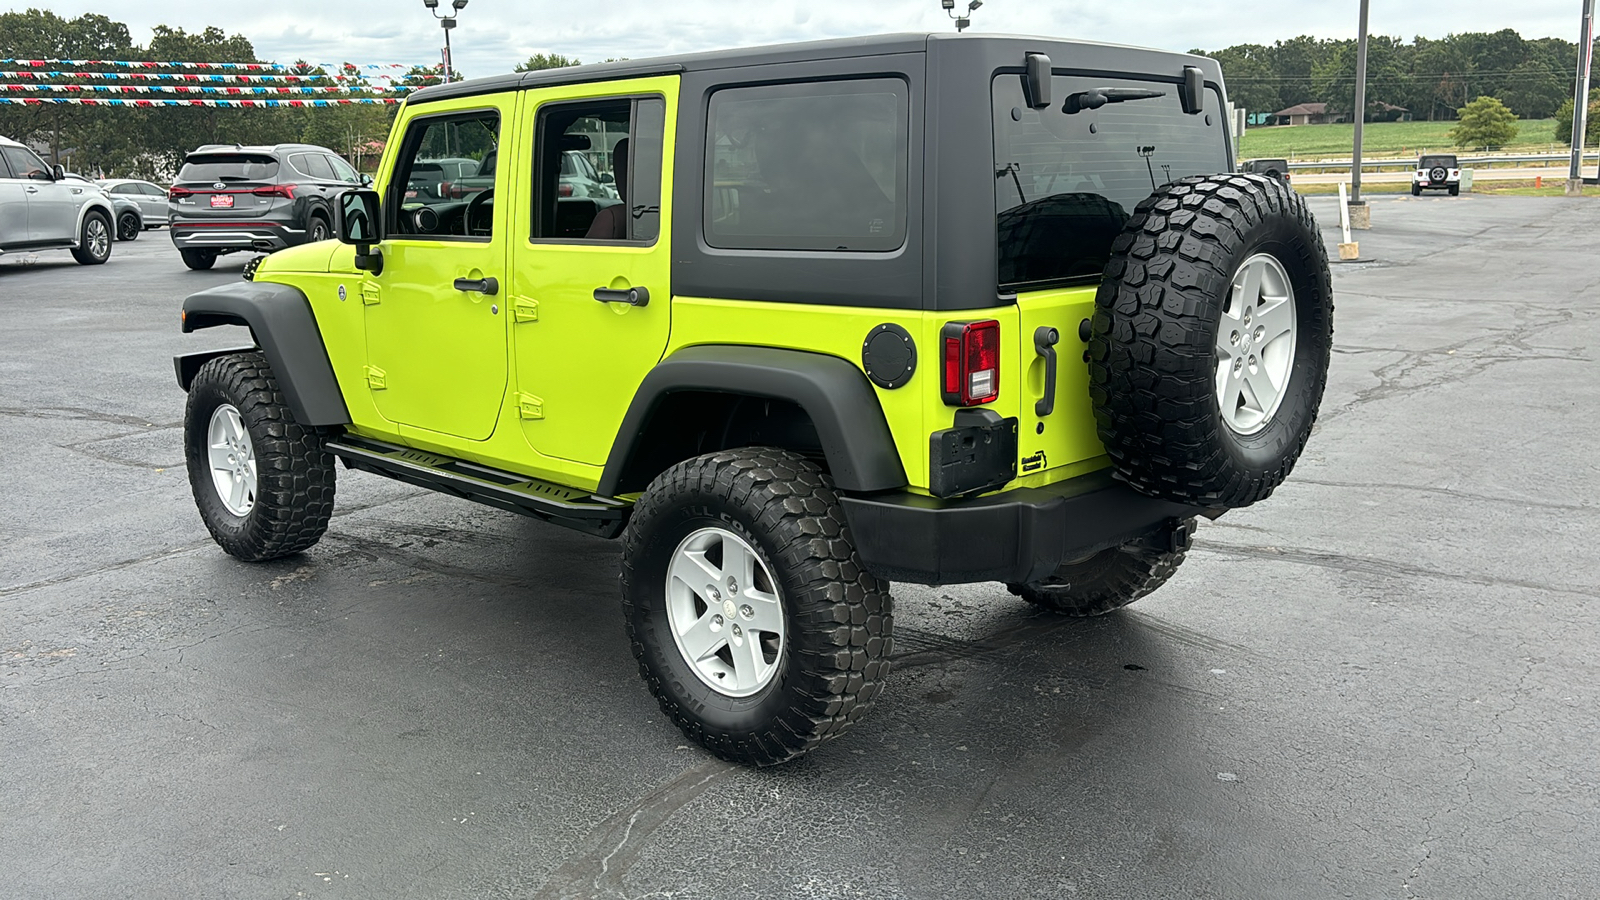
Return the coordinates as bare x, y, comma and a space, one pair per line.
747, 607
1210, 341
263, 483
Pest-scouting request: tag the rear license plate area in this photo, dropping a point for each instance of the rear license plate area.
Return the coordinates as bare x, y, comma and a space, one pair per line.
222, 201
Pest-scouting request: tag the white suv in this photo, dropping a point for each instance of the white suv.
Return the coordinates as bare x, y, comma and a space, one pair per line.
1434, 173
40, 209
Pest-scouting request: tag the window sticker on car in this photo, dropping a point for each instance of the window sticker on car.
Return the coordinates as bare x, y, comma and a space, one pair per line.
221, 201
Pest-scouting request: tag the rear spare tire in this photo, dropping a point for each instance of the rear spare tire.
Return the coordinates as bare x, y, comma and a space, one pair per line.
1210, 341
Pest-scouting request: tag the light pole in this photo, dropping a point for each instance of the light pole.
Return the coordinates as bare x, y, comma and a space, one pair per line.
962, 21
448, 23
1360, 215
1580, 101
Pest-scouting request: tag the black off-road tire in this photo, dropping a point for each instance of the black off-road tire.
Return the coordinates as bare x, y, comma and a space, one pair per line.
199, 260
1106, 581
128, 227
1152, 345
1455, 190
1416, 190
295, 472
85, 253
839, 618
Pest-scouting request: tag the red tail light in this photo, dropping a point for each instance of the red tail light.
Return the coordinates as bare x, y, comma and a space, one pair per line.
179, 192
971, 362
564, 190
285, 191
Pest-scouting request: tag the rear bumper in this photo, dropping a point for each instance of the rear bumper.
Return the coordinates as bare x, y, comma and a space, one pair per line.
241, 234
1016, 536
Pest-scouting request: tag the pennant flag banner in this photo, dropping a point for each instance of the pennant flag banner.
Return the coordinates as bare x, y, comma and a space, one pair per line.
185, 89
222, 104
243, 67
34, 74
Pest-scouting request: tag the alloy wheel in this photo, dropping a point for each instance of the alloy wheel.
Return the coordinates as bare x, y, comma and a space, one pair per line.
1255, 344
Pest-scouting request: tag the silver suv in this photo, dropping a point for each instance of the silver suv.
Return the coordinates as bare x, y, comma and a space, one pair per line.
41, 209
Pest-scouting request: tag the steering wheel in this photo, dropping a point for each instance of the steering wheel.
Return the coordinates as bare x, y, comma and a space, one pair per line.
476, 208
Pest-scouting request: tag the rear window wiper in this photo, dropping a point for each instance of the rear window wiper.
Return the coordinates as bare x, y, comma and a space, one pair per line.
1098, 97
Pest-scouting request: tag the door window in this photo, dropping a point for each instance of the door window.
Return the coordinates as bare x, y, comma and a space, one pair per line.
598, 171
424, 200
25, 163
5, 170
342, 171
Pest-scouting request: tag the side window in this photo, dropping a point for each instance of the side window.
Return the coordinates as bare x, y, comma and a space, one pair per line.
815, 166
423, 199
5, 169
316, 166
342, 171
598, 171
25, 163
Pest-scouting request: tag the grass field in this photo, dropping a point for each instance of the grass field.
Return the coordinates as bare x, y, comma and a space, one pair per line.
1380, 139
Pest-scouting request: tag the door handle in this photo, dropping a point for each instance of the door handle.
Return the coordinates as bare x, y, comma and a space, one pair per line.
486, 286
634, 296
33, 190
1045, 339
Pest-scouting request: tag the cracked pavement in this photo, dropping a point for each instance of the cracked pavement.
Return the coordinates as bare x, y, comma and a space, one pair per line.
1380, 683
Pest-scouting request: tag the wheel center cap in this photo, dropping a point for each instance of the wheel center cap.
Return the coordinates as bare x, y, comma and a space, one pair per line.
728, 609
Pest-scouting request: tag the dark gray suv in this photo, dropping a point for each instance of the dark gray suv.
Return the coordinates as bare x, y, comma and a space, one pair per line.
230, 197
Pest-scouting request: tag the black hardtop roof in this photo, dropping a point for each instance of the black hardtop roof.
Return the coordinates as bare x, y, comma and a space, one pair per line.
1133, 59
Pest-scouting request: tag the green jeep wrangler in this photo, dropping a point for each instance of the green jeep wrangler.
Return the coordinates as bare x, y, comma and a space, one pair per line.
921, 308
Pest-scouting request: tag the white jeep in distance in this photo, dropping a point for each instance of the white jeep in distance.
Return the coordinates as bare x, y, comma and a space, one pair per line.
1435, 173
42, 209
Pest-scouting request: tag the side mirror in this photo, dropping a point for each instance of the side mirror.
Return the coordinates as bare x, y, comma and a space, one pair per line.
366, 180
58, 173
358, 218
607, 178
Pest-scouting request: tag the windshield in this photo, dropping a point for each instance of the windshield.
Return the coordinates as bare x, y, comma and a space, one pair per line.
1066, 183
229, 168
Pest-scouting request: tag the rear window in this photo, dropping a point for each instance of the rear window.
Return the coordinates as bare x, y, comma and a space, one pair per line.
815, 166
1428, 162
1065, 184
231, 167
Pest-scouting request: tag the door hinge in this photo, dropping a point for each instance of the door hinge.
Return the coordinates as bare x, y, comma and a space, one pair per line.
370, 295
375, 378
530, 407
526, 309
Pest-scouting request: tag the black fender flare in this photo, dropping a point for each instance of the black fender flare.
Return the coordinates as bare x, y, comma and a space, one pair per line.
284, 327
843, 407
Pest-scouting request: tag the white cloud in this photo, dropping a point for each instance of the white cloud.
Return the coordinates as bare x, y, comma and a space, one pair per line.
493, 35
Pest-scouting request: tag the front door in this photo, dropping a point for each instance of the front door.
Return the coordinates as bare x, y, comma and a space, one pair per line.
435, 315
591, 292
13, 205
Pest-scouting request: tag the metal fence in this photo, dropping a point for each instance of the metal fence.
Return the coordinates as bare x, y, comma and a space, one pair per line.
1561, 158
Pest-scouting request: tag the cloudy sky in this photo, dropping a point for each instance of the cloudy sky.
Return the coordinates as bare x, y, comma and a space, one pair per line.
496, 34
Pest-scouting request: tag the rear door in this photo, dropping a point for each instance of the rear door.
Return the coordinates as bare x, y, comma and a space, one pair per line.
1065, 186
436, 329
220, 186
581, 348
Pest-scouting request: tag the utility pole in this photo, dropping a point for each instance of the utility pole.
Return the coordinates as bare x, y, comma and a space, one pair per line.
1580, 100
1360, 215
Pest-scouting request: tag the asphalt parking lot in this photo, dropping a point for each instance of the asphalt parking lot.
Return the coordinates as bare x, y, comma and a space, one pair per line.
1382, 683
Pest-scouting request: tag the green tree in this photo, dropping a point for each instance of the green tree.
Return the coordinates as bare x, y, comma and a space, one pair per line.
1591, 130
1485, 122
547, 61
